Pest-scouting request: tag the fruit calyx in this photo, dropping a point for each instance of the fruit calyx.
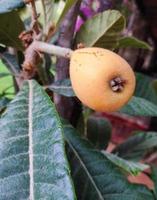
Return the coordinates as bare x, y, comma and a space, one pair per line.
117, 84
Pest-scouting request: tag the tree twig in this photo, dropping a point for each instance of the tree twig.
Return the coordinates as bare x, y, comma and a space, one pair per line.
32, 54
35, 25
52, 49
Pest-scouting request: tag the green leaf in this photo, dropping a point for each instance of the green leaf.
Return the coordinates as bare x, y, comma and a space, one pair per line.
4, 74
143, 82
10, 28
3, 103
68, 5
154, 85
99, 131
48, 12
6, 82
10, 61
96, 177
137, 145
154, 178
140, 107
134, 168
62, 87
8, 5
102, 30
133, 42
33, 164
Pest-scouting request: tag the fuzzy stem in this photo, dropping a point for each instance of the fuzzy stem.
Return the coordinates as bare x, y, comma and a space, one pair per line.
33, 58
52, 49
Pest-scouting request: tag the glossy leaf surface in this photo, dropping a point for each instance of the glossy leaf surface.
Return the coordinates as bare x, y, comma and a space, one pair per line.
136, 146
99, 131
134, 168
133, 42
10, 28
96, 177
138, 106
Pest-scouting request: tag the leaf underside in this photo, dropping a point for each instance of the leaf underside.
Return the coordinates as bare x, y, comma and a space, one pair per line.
33, 164
68, 5
102, 30
8, 5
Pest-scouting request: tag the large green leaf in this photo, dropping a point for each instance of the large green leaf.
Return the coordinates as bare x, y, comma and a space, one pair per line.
48, 11
10, 27
33, 164
3, 103
140, 107
144, 88
154, 85
132, 42
68, 5
137, 145
10, 61
6, 83
99, 131
102, 30
8, 5
154, 178
4, 74
145, 101
134, 168
96, 177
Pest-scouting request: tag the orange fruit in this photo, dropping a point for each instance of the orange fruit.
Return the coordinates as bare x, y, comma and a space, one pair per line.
101, 79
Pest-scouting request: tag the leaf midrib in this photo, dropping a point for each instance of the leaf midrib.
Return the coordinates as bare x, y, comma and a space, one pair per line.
30, 133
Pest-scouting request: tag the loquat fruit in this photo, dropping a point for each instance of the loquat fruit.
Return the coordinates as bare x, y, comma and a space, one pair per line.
101, 79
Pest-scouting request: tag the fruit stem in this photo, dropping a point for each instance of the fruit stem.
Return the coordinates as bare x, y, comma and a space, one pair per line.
32, 53
52, 49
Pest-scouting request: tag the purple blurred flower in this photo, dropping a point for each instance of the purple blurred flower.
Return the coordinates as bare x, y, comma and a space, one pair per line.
90, 8
87, 12
79, 22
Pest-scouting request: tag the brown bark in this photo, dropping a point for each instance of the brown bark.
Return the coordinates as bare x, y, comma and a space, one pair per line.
69, 108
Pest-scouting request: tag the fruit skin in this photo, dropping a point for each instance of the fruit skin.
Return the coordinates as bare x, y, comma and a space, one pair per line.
91, 70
